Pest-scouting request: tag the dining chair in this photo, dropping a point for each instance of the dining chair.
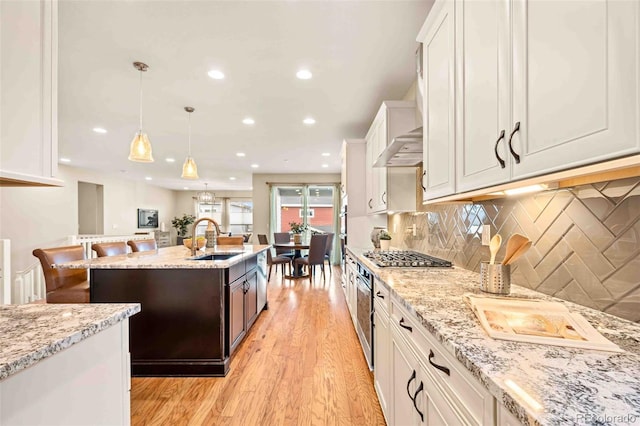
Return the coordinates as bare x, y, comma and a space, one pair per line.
317, 248
329, 249
109, 249
64, 285
282, 238
278, 260
142, 245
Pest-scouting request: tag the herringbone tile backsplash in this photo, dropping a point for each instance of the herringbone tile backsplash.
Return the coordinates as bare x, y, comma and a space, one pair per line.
586, 241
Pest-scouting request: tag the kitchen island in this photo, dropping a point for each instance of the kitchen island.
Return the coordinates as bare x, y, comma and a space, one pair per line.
531, 384
65, 364
195, 311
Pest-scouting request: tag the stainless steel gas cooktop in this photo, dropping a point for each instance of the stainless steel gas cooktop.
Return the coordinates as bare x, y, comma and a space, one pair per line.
405, 259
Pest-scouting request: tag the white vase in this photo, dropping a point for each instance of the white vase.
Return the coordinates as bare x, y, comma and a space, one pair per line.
385, 244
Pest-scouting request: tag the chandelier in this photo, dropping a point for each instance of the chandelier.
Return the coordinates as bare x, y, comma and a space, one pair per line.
205, 197
140, 149
189, 168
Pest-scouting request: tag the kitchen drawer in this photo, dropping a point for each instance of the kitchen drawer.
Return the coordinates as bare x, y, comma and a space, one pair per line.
474, 401
381, 295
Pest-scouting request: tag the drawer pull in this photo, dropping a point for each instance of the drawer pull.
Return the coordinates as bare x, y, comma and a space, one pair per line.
370, 201
405, 326
495, 151
411, 379
515, 129
379, 295
422, 181
415, 396
439, 367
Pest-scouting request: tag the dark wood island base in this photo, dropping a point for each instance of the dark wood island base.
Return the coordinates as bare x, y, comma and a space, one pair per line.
191, 320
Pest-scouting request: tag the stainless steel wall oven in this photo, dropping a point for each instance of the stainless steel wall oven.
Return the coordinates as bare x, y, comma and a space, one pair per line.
364, 312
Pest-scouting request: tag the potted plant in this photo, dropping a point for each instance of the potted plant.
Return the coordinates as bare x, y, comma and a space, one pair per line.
297, 229
385, 240
182, 226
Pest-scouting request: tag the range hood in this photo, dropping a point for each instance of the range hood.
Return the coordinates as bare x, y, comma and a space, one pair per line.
403, 151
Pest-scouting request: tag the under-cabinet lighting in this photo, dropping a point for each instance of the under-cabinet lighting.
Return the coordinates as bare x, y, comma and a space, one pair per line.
529, 189
232, 178
65, 160
531, 401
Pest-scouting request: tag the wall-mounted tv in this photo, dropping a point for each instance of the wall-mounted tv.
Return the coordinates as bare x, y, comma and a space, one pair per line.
147, 218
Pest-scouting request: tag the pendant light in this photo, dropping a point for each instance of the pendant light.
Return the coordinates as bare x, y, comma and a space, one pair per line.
189, 168
205, 197
140, 149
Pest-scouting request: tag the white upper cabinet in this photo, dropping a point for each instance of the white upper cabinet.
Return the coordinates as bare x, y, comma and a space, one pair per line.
28, 88
575, 83
438, 155
393, 188
540, 86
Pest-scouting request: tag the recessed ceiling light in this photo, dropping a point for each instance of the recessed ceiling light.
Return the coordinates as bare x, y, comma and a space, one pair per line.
148, 178
309, 121
170, 160
254, 166
249, 121
216, 74
325, 166
304, 74
99, 130
325, 154
65, 160
240, 154
232, 178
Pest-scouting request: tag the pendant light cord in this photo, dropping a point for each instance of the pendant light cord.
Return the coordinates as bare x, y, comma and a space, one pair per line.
140, 101
189, 134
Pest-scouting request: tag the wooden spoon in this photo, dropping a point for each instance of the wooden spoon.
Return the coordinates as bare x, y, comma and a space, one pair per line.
513, 244
494, 246
519, 252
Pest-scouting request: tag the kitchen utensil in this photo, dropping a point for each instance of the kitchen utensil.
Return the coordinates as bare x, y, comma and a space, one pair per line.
513, 244
519, 252
496, 278
494, 246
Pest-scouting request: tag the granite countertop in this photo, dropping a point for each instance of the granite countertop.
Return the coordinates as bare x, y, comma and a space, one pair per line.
176, 257
573, 386
31, 333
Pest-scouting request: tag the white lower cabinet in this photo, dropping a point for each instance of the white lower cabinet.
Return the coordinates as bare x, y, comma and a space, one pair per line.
350, 289
505, 418
417, 380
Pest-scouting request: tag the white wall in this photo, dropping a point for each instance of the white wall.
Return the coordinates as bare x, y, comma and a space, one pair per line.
261, 194
33, 217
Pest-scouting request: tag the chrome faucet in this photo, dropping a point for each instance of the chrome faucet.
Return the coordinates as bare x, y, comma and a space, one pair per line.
194, 241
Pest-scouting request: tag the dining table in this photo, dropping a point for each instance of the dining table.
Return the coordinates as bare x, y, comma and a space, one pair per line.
296, 270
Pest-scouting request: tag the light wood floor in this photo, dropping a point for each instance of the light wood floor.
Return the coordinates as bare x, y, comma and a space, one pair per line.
300, 364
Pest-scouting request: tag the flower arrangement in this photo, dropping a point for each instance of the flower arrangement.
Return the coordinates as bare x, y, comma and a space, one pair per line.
181, 224
297, 228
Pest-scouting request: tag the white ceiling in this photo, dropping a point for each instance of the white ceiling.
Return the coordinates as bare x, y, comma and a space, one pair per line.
360, 53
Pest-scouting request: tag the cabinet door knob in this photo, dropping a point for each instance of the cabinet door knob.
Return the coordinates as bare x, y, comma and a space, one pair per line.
401, 322
513, 132
495, 150
424, 173
415, 396
439, 367
411, 379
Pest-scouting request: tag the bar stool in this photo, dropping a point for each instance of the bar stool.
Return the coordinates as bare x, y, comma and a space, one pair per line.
109, 249
142, 245
64, 285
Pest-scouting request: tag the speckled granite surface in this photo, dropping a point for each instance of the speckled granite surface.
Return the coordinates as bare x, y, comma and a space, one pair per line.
176, 257
31, 333
573, 386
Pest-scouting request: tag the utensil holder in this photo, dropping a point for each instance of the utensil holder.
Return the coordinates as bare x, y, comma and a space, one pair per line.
495, 278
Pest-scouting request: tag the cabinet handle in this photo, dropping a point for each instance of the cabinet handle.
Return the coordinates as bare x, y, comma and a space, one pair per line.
382, 197
515, 129
411, 379
370, 201
415, 396
495, 150
405, 326
380, 295
439, 367
424, 173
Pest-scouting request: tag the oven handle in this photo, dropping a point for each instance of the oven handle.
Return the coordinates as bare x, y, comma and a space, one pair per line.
401, 322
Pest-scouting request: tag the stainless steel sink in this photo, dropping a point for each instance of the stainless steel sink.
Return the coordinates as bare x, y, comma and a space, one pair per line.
215, 256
